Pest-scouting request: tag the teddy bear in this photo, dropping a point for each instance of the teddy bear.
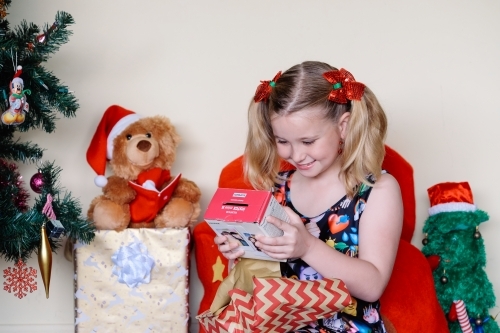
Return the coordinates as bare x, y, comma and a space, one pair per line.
141, 193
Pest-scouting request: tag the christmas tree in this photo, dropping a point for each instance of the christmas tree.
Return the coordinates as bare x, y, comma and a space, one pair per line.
30, 98
455, 250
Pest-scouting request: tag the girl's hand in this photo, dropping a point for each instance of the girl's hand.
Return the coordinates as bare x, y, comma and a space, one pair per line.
294, 243
227, 246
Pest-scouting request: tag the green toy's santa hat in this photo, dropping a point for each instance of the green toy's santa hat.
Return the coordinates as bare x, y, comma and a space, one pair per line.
113, 122
451, 197
457, 202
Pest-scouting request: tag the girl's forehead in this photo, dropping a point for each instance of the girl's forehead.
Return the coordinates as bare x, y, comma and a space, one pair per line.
300, 125
304, 117
312, 112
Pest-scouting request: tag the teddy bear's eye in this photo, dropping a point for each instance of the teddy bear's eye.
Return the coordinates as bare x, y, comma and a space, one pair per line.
148, 135
129, 136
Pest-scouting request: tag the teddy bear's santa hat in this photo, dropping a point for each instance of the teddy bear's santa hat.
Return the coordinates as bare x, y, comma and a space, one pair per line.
113, 122
451, 197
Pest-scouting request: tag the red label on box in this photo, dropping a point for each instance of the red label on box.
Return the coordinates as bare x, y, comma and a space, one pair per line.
232, 205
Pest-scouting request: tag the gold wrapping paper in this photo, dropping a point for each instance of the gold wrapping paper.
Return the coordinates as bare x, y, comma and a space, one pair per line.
103, 304
241, 277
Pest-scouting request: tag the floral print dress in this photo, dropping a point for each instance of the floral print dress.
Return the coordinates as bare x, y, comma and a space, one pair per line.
338, 227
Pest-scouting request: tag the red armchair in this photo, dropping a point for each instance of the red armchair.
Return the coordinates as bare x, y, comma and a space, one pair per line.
409, 303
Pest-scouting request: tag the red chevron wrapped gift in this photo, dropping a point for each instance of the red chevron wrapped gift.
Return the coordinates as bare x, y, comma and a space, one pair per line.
277, 305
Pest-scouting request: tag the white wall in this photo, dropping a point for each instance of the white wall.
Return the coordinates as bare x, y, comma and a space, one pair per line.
435, 66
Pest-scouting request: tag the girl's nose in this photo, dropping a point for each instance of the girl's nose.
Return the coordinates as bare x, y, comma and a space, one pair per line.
297, 155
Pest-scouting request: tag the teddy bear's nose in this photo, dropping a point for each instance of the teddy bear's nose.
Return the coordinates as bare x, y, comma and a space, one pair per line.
144, 145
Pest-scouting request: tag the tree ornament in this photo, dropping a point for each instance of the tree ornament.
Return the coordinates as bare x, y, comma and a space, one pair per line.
41, 38
20, 280
16, 113
477, 234
479, 323
54, 227
45, 259
463, 318
425, 241
36, 182
444, 278
11, 182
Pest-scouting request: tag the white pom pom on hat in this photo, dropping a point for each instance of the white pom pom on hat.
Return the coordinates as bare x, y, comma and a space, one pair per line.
114, 120
17, 74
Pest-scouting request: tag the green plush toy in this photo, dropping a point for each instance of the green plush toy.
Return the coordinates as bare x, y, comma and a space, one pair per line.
455, 250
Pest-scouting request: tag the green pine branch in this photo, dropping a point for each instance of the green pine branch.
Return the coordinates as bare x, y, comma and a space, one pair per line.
20, 225
20, 151
21, 231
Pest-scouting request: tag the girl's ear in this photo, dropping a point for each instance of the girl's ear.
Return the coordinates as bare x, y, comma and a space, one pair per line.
343, 124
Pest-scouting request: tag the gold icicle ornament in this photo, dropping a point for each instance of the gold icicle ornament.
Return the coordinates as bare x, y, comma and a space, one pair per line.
45, 259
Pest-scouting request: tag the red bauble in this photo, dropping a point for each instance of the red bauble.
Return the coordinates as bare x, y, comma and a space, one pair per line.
36, 182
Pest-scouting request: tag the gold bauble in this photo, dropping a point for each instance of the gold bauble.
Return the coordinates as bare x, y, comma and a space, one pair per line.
45, 259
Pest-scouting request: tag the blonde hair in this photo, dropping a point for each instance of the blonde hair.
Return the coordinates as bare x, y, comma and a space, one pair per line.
303, 86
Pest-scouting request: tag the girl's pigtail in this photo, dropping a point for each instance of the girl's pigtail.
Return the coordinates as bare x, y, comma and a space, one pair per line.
260, 160
364, 145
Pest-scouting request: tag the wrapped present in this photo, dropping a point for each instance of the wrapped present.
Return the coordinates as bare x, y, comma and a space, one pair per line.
135, 280
277, 305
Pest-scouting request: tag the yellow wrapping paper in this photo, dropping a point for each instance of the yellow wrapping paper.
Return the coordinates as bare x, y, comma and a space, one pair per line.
155, 300
241, 277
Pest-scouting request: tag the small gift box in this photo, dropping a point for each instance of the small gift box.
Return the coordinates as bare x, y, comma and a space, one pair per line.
277, 305
135, 280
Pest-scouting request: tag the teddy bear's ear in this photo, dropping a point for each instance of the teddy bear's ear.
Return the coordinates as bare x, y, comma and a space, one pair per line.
166, 126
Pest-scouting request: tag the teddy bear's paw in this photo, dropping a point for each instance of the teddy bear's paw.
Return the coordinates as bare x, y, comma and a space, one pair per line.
176, 214
196, 212
108, 215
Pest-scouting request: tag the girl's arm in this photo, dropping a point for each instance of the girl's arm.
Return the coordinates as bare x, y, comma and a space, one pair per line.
379, 232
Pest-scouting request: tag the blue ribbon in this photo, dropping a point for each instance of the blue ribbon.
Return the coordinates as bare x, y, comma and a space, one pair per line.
133, 264
478, 328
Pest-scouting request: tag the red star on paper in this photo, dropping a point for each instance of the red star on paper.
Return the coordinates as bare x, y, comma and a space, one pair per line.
19, 279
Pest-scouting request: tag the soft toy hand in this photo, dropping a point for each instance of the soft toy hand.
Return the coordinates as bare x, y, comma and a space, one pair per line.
117, 189
294, 243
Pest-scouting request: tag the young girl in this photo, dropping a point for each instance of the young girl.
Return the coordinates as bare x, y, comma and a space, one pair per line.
346, 213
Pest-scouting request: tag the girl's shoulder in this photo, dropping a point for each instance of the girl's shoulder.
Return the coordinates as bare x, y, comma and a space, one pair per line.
385, 179
386, 185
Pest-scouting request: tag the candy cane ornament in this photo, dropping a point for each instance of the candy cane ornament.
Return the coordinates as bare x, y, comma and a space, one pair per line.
463, 318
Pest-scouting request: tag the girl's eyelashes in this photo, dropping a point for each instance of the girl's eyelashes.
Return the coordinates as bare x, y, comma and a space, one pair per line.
283, 142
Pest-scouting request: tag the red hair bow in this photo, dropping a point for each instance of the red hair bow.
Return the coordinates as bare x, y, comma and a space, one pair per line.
264, 89
345, 86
